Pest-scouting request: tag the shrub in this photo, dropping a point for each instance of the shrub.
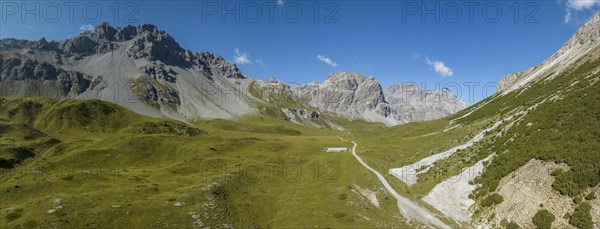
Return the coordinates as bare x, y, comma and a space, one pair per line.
556, 172
577, 200
512, 225
492, 199
591, 196
581, 217
543, 219
567, 216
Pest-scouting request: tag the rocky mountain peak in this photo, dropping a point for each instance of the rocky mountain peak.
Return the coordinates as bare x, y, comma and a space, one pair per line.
152, 44
584, 40
168, 77
344, 80
588, 34
126, 33
103, 32
216, 65
345, 75
44, 45
147, 43
147, 28
271, 79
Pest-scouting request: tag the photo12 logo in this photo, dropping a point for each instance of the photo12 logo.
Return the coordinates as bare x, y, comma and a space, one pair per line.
269, 11
53, 12
455, 12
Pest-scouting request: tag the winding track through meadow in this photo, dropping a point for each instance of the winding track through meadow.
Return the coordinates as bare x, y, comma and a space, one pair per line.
408, 208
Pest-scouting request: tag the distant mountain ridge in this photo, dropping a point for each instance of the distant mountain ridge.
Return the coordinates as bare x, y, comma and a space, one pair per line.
145, 70
355, 96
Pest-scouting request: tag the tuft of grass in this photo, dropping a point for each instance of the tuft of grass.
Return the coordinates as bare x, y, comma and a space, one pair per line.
14, 214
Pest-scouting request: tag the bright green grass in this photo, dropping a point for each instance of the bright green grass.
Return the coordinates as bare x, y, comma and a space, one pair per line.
113, 168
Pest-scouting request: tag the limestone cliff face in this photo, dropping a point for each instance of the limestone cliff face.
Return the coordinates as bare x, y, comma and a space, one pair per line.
348, 94
413, 104
147, 71
583, 41
139, 67
354, 96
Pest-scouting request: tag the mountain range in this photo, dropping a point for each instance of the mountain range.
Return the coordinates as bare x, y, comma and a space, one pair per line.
122, 128
146, 70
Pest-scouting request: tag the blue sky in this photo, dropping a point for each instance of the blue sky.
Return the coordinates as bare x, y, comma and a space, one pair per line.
432, 43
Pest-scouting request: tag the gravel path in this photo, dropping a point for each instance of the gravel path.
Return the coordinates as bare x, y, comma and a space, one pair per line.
408, 208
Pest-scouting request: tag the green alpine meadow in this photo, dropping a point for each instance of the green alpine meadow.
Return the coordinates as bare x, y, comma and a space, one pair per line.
117, 124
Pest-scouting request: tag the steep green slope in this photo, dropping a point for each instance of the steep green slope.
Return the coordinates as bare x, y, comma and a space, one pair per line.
565, 127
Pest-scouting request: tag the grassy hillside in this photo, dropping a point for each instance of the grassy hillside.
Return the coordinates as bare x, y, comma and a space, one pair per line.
92, 164
556, 119
563, 128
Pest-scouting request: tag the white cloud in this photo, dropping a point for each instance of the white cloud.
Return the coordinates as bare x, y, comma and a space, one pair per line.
260, 63
241, 58
568, 17
327, 60
280, 2
574, 6
86, 27
440, 68
582, 4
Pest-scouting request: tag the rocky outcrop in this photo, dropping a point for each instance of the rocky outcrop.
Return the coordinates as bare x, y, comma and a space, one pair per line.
44, 45
159, 72
585, 39
525, 191
299, 113
216, 65
587, 36
350, 95
154, 93
14, 44
271, 80
507, 81
414, 104
35, 77
82, 45
154, 45
346, 92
